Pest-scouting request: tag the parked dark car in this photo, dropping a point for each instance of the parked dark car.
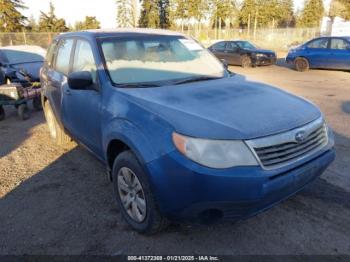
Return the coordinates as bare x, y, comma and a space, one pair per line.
182, 138
322, 52
21, 64
242, 53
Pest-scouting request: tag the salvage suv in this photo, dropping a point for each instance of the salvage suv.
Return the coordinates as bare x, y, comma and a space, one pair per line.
182, 138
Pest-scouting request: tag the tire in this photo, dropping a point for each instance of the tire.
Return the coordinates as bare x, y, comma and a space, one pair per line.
148, 220
2, 113
37, 103
23, 112
56, 132
246, 61
301, 64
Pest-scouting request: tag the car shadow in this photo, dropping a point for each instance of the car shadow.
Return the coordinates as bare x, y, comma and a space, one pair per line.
69, 208
13, 131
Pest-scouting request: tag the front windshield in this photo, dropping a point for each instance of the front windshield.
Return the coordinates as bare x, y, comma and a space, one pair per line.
21, 56
162, 59
245, 45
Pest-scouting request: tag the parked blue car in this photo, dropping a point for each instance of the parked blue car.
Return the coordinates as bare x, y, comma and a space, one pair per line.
182, 138
322, 52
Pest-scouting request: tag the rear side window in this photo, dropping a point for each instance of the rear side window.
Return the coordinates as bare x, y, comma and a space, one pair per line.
219, 46
63, 56
50, 53
338, 43
84, 59
318, 43
231, 47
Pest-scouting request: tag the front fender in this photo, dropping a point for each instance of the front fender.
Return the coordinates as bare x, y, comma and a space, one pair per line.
132, 136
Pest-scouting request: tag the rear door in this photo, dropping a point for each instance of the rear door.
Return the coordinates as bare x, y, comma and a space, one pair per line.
318, 53
219, 49
340, 53
233, 56
56, 76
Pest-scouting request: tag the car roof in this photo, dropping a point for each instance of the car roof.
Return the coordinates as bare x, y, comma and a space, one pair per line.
100, 33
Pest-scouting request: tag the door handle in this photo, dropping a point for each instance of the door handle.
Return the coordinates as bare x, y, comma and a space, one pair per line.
67, 92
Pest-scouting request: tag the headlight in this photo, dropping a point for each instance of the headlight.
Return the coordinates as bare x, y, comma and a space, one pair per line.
215, 153
260, 55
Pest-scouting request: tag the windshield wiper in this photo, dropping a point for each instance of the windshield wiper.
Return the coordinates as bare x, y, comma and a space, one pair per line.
195, 79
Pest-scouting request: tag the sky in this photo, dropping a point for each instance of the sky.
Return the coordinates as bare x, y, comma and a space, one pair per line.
76, 10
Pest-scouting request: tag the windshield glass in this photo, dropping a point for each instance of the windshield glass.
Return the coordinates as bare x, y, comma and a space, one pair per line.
245, 45
19, 56
157, 59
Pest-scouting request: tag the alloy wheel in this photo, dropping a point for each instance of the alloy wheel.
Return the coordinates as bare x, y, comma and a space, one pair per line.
131, 194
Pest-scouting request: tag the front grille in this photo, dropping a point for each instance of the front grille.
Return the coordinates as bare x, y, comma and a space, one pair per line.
287, 150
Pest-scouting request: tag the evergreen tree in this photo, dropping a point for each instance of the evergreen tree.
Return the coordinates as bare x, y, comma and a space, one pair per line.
11, 19
223, 12
90, 22
127, 13
286, 12
149, 14
164, 14
32, 25
48, 22
312, 14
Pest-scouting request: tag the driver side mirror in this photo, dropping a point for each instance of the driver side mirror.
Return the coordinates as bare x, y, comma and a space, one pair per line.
81, 80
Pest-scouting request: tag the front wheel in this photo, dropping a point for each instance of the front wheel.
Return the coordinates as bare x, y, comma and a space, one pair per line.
301, 64
134, 195
246, 61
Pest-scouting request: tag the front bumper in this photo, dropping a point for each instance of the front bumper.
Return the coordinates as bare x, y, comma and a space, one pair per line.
186, 191
260, 61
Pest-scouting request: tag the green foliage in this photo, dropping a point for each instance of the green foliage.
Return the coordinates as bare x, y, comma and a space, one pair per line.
126, 13
11, 19
223, 11
267, 13
150, 14
340, 8
312, 14
164, 14
48, 22
90, 22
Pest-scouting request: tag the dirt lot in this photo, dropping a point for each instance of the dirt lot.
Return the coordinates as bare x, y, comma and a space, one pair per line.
58, 201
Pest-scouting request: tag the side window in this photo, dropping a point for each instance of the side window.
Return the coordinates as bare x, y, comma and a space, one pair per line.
338, 43
231, 47
84, 59
219, 46
318, 43
63, 56
50, 53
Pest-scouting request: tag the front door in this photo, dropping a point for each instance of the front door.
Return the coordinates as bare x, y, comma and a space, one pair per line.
82, 108
340, 53
232, 54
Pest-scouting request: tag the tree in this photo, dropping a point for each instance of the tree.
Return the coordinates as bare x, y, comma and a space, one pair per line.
340, 8
164, 14
50, 23
149, 14
285, 9
223, 12
127, 13
312, 14
32, 25
90, 22
11, 19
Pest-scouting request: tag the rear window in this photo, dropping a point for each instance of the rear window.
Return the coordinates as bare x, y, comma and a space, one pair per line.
21, 56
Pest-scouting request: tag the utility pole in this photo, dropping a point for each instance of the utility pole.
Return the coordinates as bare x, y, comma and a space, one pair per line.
255, 23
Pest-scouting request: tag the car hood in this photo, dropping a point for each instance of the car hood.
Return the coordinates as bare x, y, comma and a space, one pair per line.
32, 69
228, 108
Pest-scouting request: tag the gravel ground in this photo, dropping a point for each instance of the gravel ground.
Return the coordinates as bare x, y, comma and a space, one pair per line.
58, 200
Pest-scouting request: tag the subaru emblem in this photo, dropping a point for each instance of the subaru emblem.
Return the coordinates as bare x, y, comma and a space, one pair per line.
300, 136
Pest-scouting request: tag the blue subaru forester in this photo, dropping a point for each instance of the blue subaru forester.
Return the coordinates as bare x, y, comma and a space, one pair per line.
183, 138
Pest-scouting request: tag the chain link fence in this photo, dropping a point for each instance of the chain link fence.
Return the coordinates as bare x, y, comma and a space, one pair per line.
277, 39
